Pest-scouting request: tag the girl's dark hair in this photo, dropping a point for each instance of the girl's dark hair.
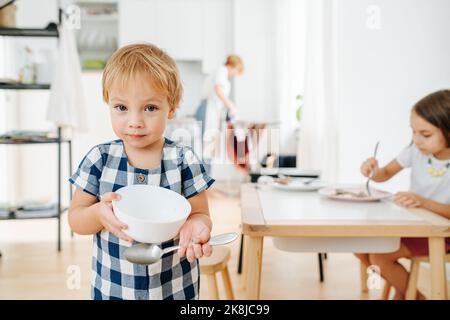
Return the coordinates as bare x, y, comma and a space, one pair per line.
435, 109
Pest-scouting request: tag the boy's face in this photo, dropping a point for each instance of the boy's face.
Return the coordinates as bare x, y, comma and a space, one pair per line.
138, 112
428, 138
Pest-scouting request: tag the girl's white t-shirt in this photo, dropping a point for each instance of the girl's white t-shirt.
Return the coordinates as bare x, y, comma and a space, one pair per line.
436, 188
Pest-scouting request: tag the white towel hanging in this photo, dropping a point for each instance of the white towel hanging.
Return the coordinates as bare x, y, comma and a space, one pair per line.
67, 107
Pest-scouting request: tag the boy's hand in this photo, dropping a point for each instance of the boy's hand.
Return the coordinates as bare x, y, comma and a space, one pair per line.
107, 218
408, 200
370, 167
193, 237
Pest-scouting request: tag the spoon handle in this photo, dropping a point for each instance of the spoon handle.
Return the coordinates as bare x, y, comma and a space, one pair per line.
223, 238
170, 249
220, 239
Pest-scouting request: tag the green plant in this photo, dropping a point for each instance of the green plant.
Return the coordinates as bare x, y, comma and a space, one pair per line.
299, 105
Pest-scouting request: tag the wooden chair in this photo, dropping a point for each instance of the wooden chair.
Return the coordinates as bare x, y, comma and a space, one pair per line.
217, 262
411, 289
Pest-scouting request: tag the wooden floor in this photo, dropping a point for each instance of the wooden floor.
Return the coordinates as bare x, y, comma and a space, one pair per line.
31, 267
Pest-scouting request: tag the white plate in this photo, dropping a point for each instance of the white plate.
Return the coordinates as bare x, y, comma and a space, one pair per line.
377, 194
289, 172
299, 185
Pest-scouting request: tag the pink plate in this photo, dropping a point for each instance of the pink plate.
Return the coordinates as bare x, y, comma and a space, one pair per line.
356, 193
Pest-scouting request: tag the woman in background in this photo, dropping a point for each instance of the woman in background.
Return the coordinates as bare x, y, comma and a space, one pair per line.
216, 104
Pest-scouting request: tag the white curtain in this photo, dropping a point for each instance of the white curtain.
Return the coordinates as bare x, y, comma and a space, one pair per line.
318, 143
290, 61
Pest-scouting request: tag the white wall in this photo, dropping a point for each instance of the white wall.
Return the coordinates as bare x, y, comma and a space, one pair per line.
189, 30
36, 14
254, 39
381, 73
217, 33
192, 78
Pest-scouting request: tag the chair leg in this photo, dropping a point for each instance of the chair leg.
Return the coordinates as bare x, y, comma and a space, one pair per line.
320, 267
212, 286
411, 289
364, 277
241, 249
227, 284
386, 290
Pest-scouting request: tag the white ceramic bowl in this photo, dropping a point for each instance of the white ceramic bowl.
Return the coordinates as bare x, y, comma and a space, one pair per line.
153, 214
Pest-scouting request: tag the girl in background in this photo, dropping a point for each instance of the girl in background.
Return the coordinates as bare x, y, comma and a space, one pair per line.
428, 156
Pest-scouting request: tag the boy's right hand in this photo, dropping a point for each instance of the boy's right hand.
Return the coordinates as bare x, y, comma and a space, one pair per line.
370, 167
107, 218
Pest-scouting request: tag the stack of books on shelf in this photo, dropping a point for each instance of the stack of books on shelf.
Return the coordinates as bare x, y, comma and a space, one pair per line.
4, 81
35, 210
6, 210
26, 135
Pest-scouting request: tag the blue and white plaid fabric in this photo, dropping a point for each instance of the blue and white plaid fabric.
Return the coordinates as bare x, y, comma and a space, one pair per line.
106, 169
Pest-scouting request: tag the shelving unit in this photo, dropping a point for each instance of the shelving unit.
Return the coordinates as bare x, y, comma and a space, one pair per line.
29, 32
24, 86
98, 38
13, 216
47, 140
50, 31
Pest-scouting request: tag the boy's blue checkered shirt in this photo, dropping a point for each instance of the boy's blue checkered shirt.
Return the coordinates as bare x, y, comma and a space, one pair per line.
106, 169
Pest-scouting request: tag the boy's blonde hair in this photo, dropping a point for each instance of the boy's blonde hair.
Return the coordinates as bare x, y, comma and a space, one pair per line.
146, 59
235, 61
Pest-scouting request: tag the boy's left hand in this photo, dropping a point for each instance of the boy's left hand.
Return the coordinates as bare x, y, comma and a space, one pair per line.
194, 235
408, 200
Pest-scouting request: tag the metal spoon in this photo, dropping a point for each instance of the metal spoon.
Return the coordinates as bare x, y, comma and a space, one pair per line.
370, 177
144, 253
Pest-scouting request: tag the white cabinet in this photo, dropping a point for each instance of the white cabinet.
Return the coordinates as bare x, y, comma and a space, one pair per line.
174, 25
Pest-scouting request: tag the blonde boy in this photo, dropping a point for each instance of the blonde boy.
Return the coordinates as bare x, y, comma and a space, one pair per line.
142, 87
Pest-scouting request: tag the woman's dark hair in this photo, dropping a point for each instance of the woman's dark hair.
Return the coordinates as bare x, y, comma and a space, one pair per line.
435, 109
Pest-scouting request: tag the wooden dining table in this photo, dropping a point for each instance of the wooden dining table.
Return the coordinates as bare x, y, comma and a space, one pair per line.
269, 212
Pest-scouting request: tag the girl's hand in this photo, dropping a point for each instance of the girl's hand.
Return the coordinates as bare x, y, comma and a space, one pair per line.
370, 167
107, 218
194, 235
408, 200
